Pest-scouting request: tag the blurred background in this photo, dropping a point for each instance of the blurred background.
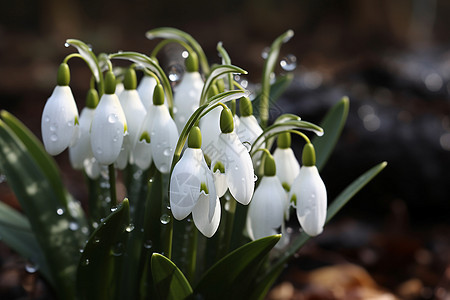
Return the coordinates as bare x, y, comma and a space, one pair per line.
390, 57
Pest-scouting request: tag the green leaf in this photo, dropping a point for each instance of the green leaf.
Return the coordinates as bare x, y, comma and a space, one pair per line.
55, 227
230, 277
98, 275
88, 56
15, 231
332, 124
273, 272
169, 281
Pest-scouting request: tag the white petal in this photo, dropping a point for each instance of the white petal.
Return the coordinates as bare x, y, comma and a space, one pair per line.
58, 120
92, 168
266, 211
145, 89
287, 165
220, 182
200, 215
107, 129
142, 152
238, 167
311, 197
163, 138
135, 113
185, 182
248, 129
186, 98
82, 149
210, 128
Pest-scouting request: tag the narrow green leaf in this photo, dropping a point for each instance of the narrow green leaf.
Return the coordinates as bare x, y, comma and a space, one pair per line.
89, 56
332, 124
15, 231
169, 281
98, 275
335, 206
230, 277
56, 229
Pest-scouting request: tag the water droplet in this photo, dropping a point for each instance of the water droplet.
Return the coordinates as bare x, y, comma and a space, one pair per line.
175, 73
175, 110
46, 119
53, 138
66, 45
99, 150
243, 179
96, 240
117, 250
84, 230
313, 196
31, 267
265, 53
150, 180
81, 250
2, 178
113, 209
60, 211
137, 174
148, 244
289, 62
70, 123
113, 118
73, 226
115, 139
185, 54
130, 228
167, 151
165, 219
53, 127
85, 262
94, 225
164, 168
236, 168
255, 177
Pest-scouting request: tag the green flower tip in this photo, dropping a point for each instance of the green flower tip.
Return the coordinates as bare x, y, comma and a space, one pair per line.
145, 137
76, 122
309, 155
158, 95
286, 186
92, 98
195, 138
245, 107
219, 166
212, 91
204, 188
130, 81
226, 121
63, 78
191, 62
284, 140
269, 165
110, 83
294, 200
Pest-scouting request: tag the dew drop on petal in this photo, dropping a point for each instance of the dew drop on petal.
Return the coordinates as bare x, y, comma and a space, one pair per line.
165, 219
53, 138
164, 168
53, 127
113, 118
289, 62
167, 151
99, 150
255, 178
46, 119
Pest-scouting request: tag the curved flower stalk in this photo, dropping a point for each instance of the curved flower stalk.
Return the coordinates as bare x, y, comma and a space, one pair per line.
287, 164
268, 205
108, 125
192, 188
187, 93
135, 114
80, 154
310, 194
236, 161
59, 122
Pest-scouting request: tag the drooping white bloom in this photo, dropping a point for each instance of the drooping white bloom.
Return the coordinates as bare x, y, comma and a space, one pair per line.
80, 154
310, 194
248, 129
145, 90
59, 122
266, 211
108, 129
238, 167
187, 98
210, 128
192, 190
287, 166
142, 155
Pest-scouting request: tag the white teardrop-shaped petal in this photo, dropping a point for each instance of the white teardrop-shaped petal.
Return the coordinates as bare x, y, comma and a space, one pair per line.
287, 165
185, 182
135, 113
266, 211
311, 196
82, 149
210, 128
238, 167
107, 129
58, 120
142, 152
186, 98
220, 182
119, 89
200, 215
145, 90
164, 138
248, 129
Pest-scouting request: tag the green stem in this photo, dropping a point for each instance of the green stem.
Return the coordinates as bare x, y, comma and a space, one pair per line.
112, 184
224, 245
192, 253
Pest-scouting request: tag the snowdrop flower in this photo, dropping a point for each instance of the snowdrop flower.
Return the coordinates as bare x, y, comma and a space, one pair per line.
235, 159
158, 136
187, 93
309, 192
192, 188
135, 113
80, 154
266, 211
108, 125
145, 90
287, 164
249, 128
59, 122
210, 127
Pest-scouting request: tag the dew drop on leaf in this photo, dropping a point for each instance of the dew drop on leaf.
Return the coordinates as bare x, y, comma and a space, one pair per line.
289, 62
165, 219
